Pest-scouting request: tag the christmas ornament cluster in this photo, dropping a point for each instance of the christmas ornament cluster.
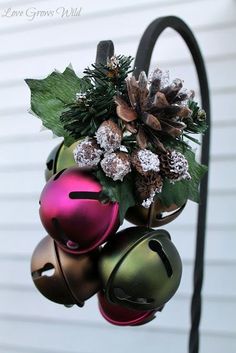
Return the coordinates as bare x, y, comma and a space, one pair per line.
125, 154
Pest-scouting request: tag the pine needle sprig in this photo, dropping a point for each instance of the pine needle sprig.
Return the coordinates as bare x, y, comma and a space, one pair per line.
101, 84
111, 73
196, 123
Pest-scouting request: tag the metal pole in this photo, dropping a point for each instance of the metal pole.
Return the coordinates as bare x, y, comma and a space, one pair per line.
142, 62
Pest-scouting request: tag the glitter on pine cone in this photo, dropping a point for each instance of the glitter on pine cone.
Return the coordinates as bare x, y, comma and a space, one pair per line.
87, 153
116, 165
158, 105
145, 161
113, 62
147, 187
201, 115
174, 166
109, 136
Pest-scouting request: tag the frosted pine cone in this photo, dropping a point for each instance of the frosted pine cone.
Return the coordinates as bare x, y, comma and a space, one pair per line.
174, 166
160, 106
116, 165
109, 136
147, 187
87, 153
145, 161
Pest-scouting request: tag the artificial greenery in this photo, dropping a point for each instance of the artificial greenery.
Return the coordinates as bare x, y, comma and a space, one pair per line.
123, 192
74, 107
96, 98
183, 190
196, 123
50, 96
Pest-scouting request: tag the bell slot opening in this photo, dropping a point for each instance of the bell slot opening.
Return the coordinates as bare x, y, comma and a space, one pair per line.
85, 195
47, 270
156, 246
122, 295
165, 214
57, 176
159, 216
49, 164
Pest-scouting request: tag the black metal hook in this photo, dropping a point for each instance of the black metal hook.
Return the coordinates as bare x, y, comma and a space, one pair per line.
142, 63
105, 49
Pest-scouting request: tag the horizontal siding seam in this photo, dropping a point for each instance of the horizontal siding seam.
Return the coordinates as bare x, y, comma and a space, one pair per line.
33, 196
30, 349
91, 324
9, 168
186, 262
105, 13
167, 62
178, 227
74, 47
178, 296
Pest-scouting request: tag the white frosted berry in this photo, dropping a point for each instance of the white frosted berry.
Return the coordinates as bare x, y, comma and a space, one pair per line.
116, 165
149, 161
109, 136
87, 153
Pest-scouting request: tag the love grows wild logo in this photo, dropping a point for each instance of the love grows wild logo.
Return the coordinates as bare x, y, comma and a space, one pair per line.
33, 13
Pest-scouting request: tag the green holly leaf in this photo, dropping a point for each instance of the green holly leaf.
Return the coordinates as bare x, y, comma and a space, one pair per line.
122, 192
196, 171
174, 193
50, 96
179, 192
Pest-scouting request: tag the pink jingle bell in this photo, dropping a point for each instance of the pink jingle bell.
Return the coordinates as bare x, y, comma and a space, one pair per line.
122, 316
72, 213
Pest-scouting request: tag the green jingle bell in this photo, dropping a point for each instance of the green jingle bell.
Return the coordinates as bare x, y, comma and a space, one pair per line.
61, 157
140, 268
51, 162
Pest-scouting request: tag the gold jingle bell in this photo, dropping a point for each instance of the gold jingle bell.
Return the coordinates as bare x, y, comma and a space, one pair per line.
61, 157
62, 277
140, 268
156, 215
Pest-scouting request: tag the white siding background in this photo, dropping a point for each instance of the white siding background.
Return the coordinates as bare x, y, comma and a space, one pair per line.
32, 49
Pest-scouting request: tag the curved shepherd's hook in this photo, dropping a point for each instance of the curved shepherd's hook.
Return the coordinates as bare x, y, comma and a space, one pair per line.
142, 63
